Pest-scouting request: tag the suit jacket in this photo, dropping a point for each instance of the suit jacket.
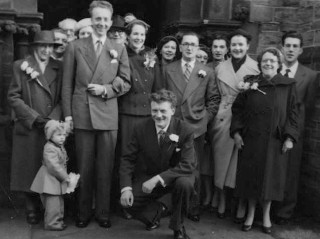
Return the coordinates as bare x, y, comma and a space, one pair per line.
51, 176
307, 86
81, 67
143, 158
198, 100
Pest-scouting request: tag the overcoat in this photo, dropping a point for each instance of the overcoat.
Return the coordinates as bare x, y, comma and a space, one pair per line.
225, 154
264, 121
52, 175
198, 100
30, 98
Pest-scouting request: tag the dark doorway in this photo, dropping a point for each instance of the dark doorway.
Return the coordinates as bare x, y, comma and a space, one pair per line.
147, 10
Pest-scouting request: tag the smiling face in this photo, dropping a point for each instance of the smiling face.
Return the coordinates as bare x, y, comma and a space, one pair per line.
117, 35
85, 32
137, 37
291, 50
168, 50
43, 51
60, 38
269, 65
219, 49
202, 56
101, 21
238, 47
161, 113
189, 47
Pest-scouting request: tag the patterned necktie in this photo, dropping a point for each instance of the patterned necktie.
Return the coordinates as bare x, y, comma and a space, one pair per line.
98, 48
287, 73
187, 72
161, 137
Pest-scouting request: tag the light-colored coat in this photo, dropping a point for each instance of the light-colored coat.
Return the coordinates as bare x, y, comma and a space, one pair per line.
81, 67
225, 153
198, 100
30, 98
51, 177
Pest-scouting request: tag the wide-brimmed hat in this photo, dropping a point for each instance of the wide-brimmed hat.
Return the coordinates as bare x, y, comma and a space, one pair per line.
118, 23
44, 37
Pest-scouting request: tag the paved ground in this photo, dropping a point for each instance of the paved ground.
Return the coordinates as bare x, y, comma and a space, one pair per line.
14, 227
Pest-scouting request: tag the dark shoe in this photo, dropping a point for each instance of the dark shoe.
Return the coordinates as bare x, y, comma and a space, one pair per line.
246, 228
266, 230
126, 214
82, 224
221, 215
155, 223
180, 234
239, 220
153, 226
195, 218
106, 223
281, 221
33, 218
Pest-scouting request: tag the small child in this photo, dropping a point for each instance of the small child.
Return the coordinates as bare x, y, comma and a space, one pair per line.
52, 179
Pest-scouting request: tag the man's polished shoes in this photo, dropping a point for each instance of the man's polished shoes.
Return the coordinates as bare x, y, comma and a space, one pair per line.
195, 218
180, 234
106, 223
82, 223
126, 214
33, 218
155, 223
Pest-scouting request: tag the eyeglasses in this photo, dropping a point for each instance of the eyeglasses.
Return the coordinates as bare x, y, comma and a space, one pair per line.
120, 32
186, 44
271, 61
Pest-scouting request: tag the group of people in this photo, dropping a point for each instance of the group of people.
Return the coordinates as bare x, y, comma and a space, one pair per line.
157, 121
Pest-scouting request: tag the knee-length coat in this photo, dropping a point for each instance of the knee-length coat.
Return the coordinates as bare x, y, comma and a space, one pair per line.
30, 98
225, 154
264, 122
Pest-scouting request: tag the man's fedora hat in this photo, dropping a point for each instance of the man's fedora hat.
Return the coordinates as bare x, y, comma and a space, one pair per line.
118, 23
44, 37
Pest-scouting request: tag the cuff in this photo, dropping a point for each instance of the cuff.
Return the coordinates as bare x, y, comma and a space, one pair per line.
161, 181
126, 189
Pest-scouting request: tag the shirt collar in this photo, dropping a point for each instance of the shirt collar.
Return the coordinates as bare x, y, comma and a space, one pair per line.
42, 64
95, 38
159, 129
293, 69
191, 63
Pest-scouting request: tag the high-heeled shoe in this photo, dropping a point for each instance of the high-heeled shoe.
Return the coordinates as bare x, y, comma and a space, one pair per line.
266, 230
221, 215
246, 228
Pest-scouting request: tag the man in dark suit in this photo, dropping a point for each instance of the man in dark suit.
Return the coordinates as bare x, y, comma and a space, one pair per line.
95, 71
198, 97
158, 160
307, 85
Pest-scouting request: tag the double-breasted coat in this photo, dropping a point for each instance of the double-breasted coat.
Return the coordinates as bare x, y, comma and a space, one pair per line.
265, 121
30, 98
225, 154
52, 175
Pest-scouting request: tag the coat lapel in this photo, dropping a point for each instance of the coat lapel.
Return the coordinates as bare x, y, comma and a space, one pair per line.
89, 53
51, 71
177, 76
194, 82
300, 75
103, 62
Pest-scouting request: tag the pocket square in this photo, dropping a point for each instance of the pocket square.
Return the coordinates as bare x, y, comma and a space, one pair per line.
114, 61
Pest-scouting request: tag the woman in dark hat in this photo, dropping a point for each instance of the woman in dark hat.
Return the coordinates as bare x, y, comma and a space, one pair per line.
34, 95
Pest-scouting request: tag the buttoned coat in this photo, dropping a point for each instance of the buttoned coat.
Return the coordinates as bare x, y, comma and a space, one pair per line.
52, 175
30, 98
82, 67
198, 100
143, 157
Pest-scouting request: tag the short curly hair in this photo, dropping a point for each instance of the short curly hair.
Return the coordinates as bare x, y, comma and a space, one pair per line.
164, 41
164, 95
276, 52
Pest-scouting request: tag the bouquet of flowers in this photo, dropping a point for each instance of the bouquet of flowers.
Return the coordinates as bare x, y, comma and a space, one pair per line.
250, 82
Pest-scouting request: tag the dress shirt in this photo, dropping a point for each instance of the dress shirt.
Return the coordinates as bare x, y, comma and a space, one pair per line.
293, 69
96, 38
191, 64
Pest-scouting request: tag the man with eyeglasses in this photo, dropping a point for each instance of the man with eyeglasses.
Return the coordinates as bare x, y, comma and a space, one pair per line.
307, 85
117, 30
198, 97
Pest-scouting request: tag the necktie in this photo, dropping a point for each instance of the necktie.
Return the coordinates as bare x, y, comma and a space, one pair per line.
287, 72
98, 48
161, 137
187, 72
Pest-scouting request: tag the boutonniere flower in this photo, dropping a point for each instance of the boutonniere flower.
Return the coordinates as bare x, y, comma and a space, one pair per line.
24, 65
30, 71
174, 138
202, 73
114, 55
249, 85
150, 59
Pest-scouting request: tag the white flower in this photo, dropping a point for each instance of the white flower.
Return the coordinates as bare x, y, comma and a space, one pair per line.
178, 149
34, 74
174, 138
113, 53
202, 73
241, 85
113, 61
254, 86
24, 65
29, 70
146, 63
246, 86
151, 64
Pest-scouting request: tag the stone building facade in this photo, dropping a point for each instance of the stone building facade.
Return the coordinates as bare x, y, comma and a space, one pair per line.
266, 20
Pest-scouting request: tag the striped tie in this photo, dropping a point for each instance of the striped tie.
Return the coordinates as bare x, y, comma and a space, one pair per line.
161, 137
187, 72
98, 48
287, 72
